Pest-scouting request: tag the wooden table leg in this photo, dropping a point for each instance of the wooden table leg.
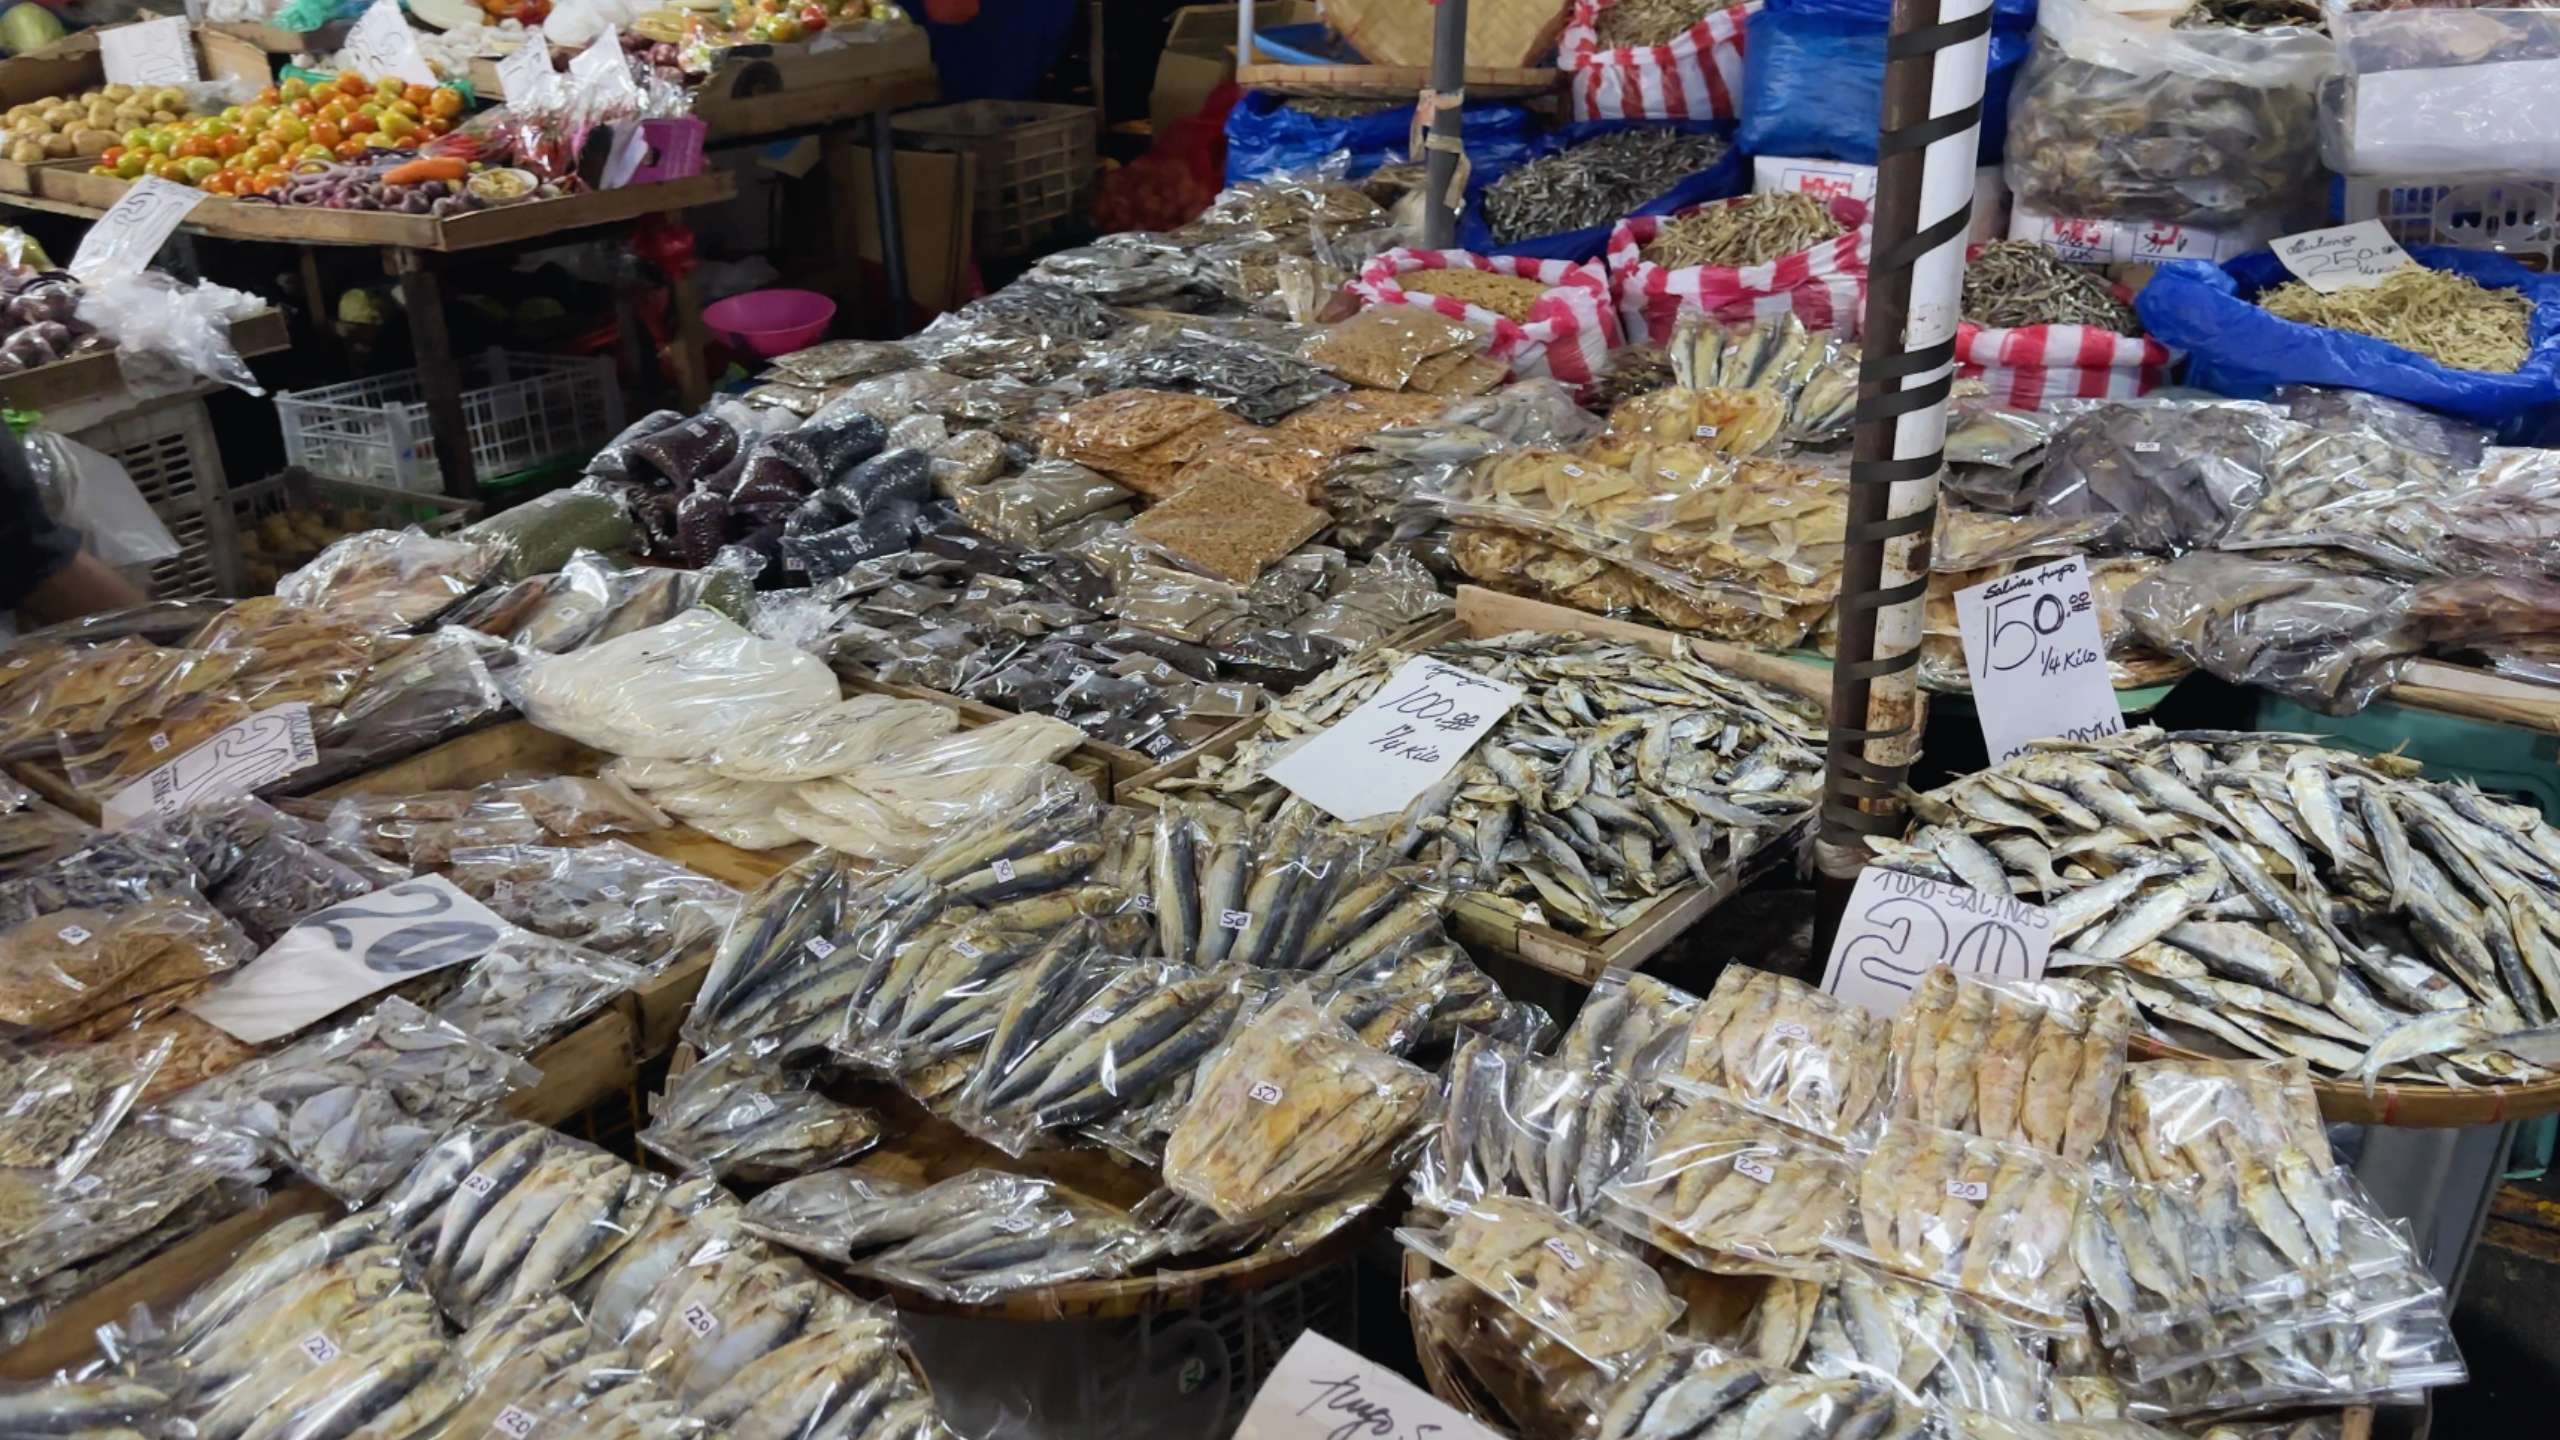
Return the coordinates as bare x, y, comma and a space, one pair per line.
842, 176
893, 234
439, 372
686, 349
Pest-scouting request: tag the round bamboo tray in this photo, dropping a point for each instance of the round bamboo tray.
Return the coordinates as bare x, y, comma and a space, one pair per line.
1393, 82
922, 1148
2409, 1106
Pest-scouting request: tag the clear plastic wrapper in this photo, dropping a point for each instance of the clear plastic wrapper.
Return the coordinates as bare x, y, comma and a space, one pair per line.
723, 1313
1382, 347
1988, 1219
2175, 474
428, 827
72, 967
2508, 523
342, 1265
385, 1362
2027, 1064
504, 1214
529, 990
1789, 1051
283, 878
1542, 1387
106, 1405
33, 831
389, 579
1293, 1107
1688, 1382
1262, 384
841, 362
1514, 1124
1934, 1347
1021, 1235
738, 1114
138, 1185
60, 1103
512, 1352
2438, 90
438, 690
2321, 1362
841, 1215
1080, 1039
1600, 1302
2186, 1117
1229, 526
354, 1107
610, 898
1042, 498
86, 692
1731, 1191
830, 741
538, 536
2351, 489
1812, 376
2327, 640
672, 691
1629, 1025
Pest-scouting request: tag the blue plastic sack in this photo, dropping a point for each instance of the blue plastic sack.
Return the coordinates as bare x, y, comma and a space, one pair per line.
1813, 77
2234, 348
1266, 137
1730, 175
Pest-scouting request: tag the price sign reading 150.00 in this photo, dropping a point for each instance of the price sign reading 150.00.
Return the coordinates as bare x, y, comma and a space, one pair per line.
2036, 657
1400, 741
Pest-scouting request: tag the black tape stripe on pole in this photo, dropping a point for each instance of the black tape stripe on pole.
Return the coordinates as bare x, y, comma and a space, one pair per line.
1926, 157
1444, 104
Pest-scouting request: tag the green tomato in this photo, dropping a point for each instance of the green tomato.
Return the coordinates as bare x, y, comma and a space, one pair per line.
198, 168
130, 164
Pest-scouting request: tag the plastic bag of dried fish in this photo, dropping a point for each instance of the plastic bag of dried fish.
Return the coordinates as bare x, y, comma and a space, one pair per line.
1294, 1108
1686, 1385
501, 1214
1514, 1124
1630, 1024
1730, 1191
2186, 1117
1384, 346
1932, 1346
721, 1332
840, 1214
1813, 374
1789, 1051
670, 691
1042, 1234
1260, 383
611, 898
33, 831
108, 1405
2021, 1063
2395, 1346
1988, 1219
1543, 1388
2331, 641
1597, 1300
85, 967
60, 1103
529, 990
2176, 474
352, 1108
739, 1115
2143, 116
389, 579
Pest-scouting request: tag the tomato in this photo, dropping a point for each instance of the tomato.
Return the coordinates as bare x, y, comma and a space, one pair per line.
164, 169
431, 128
197, 168
321, 154
227, 146
109, 156
220, 182
327, 134
293, 89
262, 154
134, 165
195, 147
362, 125
418, 95
445, 104
352, 85
291, 129
350, 150
271, 178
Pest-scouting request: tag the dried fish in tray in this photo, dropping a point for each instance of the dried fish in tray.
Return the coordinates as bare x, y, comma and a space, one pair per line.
1597, 1300
1728, 1190
1986, 1219
742, 1116
2013, 1062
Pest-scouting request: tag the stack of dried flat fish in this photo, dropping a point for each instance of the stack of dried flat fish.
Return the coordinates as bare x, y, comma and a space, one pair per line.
1622, 775
2019, 1064
1814, 375
1990, 1220
2327, 639
1930, 1342
1728, 1189
1600, 1302
2272, 894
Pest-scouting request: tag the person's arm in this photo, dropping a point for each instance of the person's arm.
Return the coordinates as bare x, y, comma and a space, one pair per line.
85, 586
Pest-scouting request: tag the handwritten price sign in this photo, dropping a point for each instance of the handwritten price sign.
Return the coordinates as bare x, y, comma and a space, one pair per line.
1322, 1391
1399, 743
1899, 927
2037, 659
2342, 257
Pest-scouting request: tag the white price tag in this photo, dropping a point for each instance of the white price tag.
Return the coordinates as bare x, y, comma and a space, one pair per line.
1790, 1030
699, 1319
1146, 904
515, 1424
126, 239
820, 946
1563, 1251
1264, 1093
320, 1348
381, 43
1234, 920
1898, 927
1976, 1191
1399, 743
524, 75
479, 1184
1004, 871
74, 934
2087, 240
1322, 1391
159, 742
341, 953
967, 950
2342, 257
2037, 659
237, 761
1754, 1168
610, 892
149, 52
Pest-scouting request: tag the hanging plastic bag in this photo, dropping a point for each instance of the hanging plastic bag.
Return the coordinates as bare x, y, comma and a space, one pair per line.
1267, 135
2235, 348
1824, 285
1696, 75
169, 334
1565, 333
1813, 77
92, 494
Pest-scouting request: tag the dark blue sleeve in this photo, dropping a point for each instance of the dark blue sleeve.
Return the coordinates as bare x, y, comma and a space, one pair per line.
33, 545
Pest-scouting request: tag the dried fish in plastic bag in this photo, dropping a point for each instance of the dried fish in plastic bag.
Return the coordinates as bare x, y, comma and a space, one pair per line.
2021, 1063
60, 1103
1988, 1219
1789, 1051
1729, 1190
737, 1114
1514, 1124
1597, 1300
529, 990
2328, 640
1932, 1346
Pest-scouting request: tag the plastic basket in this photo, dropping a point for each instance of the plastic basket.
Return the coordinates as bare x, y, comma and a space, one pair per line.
2515, 215
521, 409
2507, 759
1034, 163
340, 505
169, 451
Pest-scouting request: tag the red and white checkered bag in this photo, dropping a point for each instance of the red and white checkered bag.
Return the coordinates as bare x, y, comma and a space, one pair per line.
1826, 286
1569, 330
2033, 365
1697, 76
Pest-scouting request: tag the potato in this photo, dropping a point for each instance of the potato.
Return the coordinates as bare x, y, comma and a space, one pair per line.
26, 152
93, 141
58, 147
168, 97
166, 117
118, 92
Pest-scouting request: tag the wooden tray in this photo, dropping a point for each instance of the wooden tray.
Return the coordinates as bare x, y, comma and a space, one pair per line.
2478, 695
2408, 1106
1494, 929
72, 190
769, 89
1394, 82
74, 63
98, 376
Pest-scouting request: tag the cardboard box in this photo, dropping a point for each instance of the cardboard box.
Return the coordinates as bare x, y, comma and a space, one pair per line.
933, 213
1200, 53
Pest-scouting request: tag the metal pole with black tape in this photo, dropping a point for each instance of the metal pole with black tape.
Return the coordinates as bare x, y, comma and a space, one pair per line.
1444, 151
1935, 60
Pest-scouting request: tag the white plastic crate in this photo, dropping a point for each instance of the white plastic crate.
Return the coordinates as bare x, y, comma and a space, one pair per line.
523, 411
169, 451
2515, 215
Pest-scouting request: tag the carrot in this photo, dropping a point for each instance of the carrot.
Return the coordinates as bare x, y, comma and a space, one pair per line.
426, 168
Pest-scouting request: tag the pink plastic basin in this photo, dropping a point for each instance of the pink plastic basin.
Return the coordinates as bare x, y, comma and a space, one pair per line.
771, 322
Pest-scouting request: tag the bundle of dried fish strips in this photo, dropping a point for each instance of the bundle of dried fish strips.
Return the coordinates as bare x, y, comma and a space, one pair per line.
1630, 1024
1292, 1110
2020, 1063
1988, 1219
1622, 775
1526, 1375
1792, 1052
1812, 374
1932, 1346
1514, 1124
741, 1115
1731, 1191
2274, 895
1597, 1300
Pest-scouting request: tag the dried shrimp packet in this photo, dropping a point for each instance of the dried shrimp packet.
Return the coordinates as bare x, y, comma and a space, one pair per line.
1731, 1191
745, 1116
1934, 1347
1293, 1107
1538, 1384
1383, 345
1986, 1219
1515, 1124
671, 691
1123, 422
529, 990
1599, 1301
351, 1109
1789, 1051
1631, 1024
2188, 1117
60, 1103
1041, 1235
80, 966
2029, 1064
390, 579
1230, 526
830, 740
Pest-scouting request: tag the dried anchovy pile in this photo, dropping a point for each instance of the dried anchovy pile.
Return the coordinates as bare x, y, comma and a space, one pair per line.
1650, 22
1749, 231
1340, 107
1595, 182
2449, 318
2009, 283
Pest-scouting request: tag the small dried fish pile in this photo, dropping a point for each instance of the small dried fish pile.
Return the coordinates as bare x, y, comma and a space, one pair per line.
1600, 1302
1595, 182
1622, 23
1939, 1347
2274, 895
741, 1116
1259, 383
1750, 230
965, 1240
1622, 775
2449, 318
1509, 296
1815, 376
2023, 1065
2012, 283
